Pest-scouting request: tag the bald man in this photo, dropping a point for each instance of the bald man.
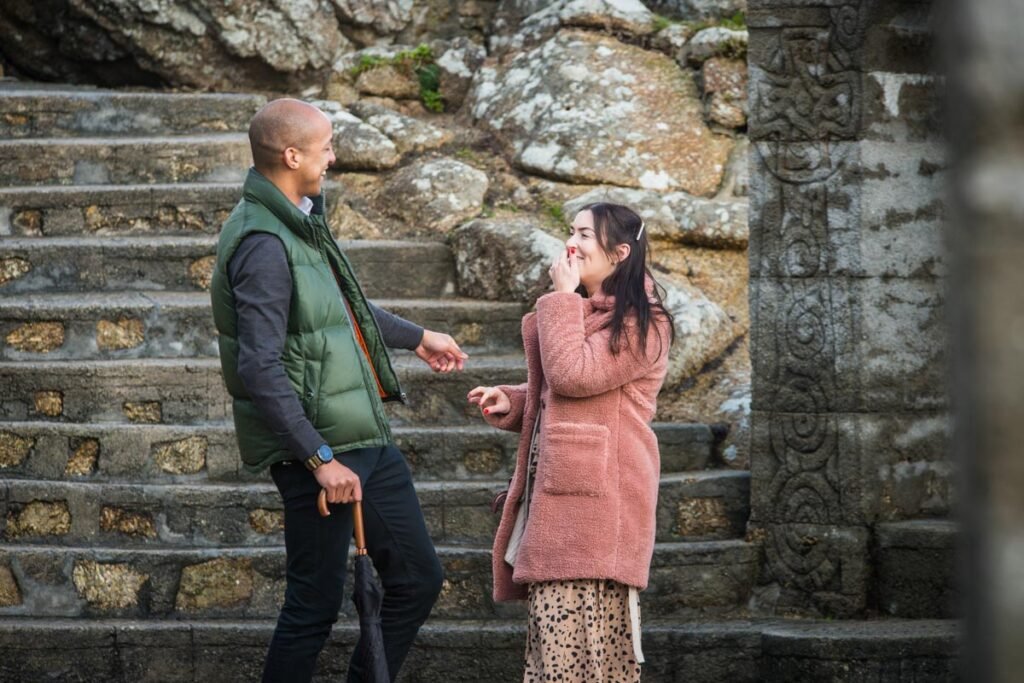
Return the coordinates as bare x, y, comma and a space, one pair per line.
304, 358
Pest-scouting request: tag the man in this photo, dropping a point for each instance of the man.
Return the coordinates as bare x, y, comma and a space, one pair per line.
303, 356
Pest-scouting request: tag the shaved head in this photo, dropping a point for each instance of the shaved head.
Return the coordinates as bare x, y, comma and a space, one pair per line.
282, 124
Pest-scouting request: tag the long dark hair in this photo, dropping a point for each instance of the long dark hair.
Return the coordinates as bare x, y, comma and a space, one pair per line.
616, 224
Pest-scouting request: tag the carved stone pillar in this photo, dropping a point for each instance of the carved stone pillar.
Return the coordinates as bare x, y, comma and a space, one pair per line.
846, 260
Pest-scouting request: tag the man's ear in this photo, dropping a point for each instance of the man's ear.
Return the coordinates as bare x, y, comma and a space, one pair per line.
291, 157
622, 251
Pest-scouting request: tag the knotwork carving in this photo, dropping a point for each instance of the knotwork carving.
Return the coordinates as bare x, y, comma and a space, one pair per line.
806, 108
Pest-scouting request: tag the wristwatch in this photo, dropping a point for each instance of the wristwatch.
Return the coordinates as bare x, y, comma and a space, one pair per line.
323, 455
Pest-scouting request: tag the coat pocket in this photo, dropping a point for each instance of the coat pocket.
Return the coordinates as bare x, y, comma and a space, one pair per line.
574, 459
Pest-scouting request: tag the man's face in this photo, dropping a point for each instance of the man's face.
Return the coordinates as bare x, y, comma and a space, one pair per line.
316, 155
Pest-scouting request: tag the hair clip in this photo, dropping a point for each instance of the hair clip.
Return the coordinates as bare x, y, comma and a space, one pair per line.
641, 231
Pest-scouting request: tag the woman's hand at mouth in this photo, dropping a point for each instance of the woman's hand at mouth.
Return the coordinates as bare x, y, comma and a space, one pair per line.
565, 271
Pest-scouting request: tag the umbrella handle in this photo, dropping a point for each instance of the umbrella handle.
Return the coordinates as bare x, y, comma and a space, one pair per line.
357, 519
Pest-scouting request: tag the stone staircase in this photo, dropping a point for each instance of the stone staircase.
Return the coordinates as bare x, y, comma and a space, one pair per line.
133, 546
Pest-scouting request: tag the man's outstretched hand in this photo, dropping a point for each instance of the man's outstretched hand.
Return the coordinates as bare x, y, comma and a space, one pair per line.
440, 352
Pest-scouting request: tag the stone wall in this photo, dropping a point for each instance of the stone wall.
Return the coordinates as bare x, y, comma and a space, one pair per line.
261, 45
847, 273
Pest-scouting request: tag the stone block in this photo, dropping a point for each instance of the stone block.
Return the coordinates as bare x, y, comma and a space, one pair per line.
804, 335
805, 209
10, 594
903, 351
200, 272
143, 411
86, 652
14, 449
916, 567
804, 84
702, 506
903, 210
707, 577
84, 457
13, 268
911, 474
37, 337
684, 446
900, 35
806, 468
182, 456
128, 522
38, 518
848, 344
49, 403
893, 651
124, 333
154, 652
108, 586
818, 569
265, 521
903, 107
221, 582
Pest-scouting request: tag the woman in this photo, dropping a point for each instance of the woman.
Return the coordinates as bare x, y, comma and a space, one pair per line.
577, 528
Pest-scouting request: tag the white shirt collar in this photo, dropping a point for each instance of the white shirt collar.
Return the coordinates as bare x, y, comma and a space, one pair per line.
306, 205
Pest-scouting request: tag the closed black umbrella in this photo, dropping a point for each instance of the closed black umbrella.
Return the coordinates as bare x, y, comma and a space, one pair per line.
368, 597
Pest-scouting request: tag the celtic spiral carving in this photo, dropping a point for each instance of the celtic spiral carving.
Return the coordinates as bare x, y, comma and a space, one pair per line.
802, 559
806, 107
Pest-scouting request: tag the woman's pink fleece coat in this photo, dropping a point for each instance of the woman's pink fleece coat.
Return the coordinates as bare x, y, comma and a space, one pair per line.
592, 514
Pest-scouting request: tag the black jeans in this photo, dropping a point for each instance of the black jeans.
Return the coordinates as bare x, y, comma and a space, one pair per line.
317, 551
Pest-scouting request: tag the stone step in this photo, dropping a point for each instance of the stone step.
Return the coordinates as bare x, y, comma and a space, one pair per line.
708, 505
916, 568
391, 269
35, 113
882, 650
179, 209
738, 651
212, 157
152, 453
687, 580
64, 326
189, 391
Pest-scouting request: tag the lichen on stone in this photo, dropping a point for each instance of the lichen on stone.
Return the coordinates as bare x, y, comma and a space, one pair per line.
125, 333
486, 461
200, 272
265, 521
184, 456
10, 594
145, 411
28, 222
14, 449
49, 403
37, 337
701, 517
39, 518
108, 586
13, 268
123, 521
85, 454
222, 582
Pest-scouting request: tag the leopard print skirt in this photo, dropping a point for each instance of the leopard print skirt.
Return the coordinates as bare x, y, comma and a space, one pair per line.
580, 632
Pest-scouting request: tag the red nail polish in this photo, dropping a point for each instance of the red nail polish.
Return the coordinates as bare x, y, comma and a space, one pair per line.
487, 411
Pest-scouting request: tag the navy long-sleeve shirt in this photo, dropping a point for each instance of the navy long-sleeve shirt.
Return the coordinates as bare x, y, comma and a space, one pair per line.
262, 285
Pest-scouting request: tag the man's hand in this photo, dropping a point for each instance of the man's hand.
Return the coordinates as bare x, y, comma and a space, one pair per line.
341, 483
492, 400
440, 352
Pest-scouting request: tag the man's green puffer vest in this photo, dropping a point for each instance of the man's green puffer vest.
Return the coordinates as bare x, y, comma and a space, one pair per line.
322, 357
